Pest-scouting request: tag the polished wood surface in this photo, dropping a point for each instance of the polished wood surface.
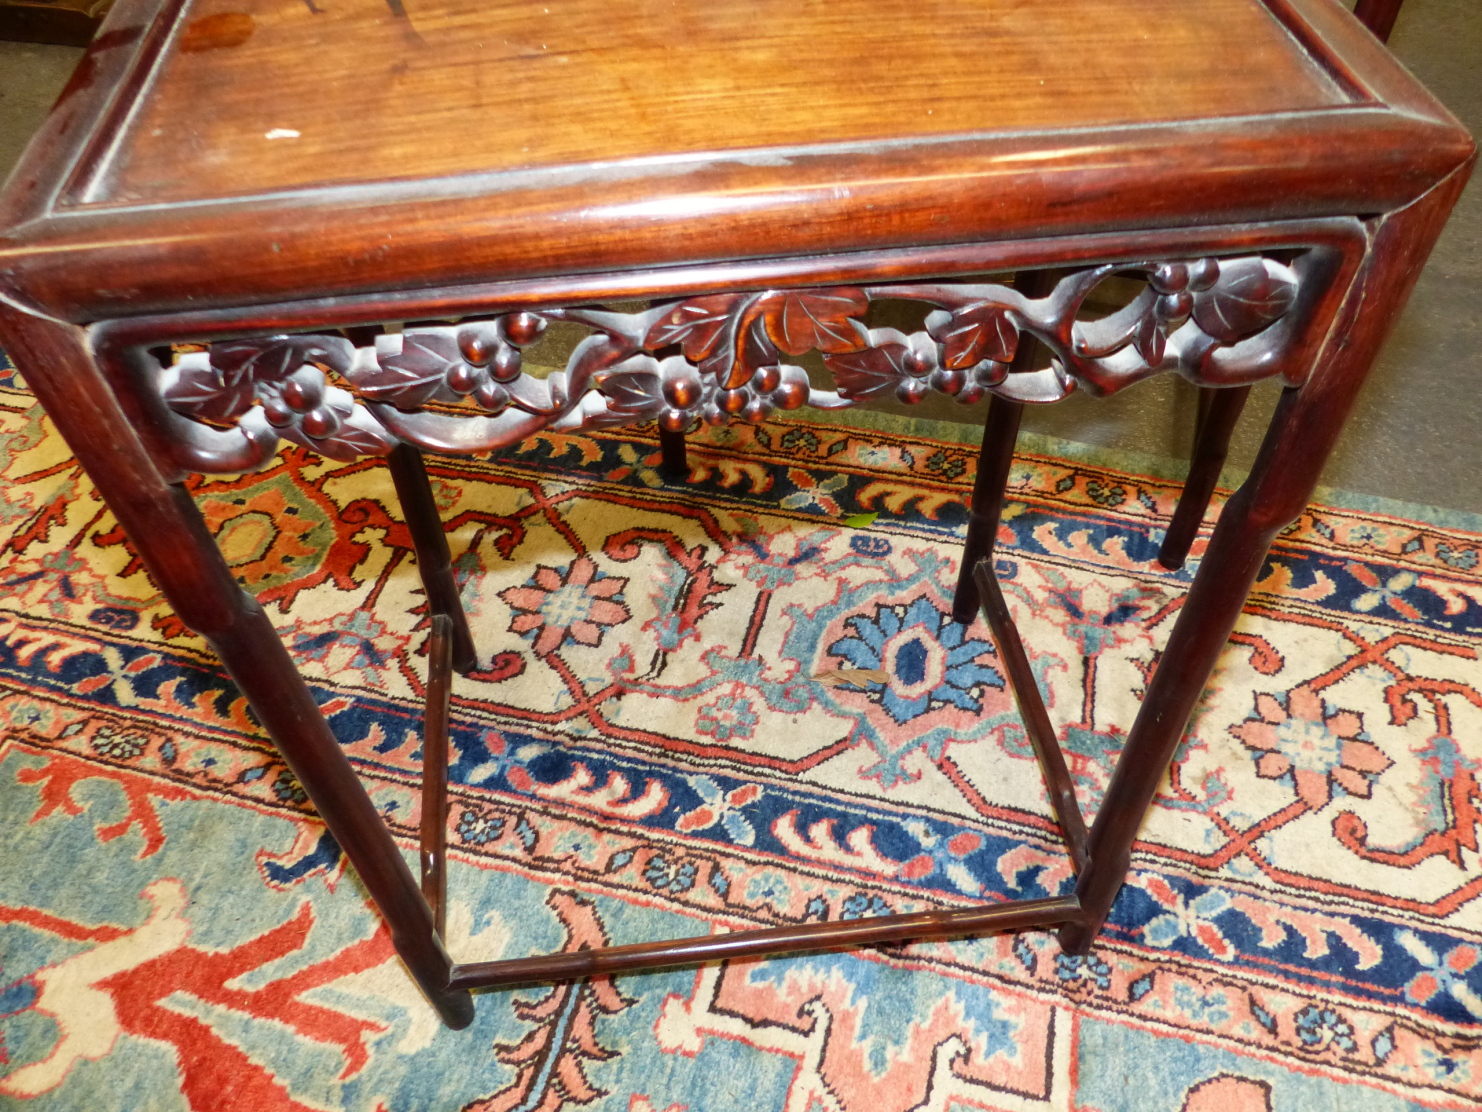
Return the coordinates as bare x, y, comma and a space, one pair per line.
433, 832
253, 96
1253, 152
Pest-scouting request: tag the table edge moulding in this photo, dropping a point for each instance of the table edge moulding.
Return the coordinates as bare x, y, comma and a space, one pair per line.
1278, 245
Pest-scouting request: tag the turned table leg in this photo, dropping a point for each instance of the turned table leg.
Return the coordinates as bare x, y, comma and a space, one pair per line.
170, 536
1301, 436
673, 459
1219, 410
1000, 433
990, 484
434, 561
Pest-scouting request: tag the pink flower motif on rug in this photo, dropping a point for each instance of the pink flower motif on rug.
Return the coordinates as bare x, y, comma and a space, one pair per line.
575, 606
1300, 738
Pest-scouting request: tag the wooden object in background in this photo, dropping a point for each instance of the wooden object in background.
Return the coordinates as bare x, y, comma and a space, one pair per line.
277, 181
53, 22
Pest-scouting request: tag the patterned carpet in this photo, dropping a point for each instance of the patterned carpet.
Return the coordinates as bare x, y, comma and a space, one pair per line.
649, 754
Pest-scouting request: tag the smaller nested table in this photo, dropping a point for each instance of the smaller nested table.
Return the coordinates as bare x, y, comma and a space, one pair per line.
279, 181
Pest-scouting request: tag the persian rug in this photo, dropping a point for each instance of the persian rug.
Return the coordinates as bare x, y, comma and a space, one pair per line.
651, 752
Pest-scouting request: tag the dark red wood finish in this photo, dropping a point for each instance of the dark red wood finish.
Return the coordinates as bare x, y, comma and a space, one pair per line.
434, 561
1031, 704
1219, 410
880, 930
434, 825
1378, 16
1335, 158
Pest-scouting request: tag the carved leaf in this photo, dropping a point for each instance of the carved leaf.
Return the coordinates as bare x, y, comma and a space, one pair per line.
735, 363
869, 373
698, 324
352, 441
1150, 341
976, 333
199, 391
358, 434
412, 378
265, 360
1251, 294
798, 321
633, 388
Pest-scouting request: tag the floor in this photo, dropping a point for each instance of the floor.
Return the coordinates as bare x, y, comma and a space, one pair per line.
1416, 435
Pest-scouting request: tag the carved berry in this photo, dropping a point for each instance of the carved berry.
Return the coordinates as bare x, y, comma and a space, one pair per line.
491, 396
733, 401
1170, 278
912, 391
767, 378
1203, 274
477, 345
915, 364
970, 393
791, 395
989, 373
523, 328
320, 422
304, 389
757, 410
462, 379
278, 414
506, 366
674, 420
948, 382
712, 414
1174, 306
682, 387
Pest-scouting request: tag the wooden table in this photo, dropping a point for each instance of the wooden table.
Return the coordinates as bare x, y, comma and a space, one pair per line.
276, 179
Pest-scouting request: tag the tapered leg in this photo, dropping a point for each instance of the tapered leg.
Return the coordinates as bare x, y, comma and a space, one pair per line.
1378, 16
674, 460
1217, 418
1302, 434
434, 561
435, 770
168, 533
995, 457
1000, 432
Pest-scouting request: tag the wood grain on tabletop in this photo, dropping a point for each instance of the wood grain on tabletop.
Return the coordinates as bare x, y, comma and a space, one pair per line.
262, 95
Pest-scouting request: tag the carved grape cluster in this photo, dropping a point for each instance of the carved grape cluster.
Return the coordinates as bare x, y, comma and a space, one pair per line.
737, 341
481, 361
287, 375
301, 400
911, 366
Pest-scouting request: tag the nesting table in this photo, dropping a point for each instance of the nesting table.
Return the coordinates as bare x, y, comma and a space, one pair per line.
293, 185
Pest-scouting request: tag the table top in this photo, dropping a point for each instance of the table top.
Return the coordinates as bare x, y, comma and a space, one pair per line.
279, 148
263, 95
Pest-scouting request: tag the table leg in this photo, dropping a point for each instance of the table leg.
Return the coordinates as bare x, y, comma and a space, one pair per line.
1000, 434
674, 460
167, 531
1378, 16
1219, 410
1302, 434
434, 561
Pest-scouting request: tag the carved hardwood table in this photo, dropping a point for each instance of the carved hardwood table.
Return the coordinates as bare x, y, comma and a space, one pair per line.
278, 180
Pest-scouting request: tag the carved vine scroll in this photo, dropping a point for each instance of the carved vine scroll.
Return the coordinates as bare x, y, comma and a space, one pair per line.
721, 357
